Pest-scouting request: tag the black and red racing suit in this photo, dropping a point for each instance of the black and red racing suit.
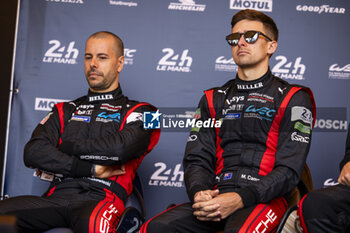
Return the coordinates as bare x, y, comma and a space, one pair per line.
261, 147
327, 209
259, 151
100, 128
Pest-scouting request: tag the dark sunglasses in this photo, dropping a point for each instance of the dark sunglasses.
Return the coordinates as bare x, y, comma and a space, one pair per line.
249, 36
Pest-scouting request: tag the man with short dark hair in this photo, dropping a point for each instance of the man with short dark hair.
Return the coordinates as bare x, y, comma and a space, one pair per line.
238, 176
328, 209
89, 149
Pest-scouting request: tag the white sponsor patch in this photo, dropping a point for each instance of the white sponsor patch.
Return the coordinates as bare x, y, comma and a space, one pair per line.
192, 138
298, 138
301, 113
134, 116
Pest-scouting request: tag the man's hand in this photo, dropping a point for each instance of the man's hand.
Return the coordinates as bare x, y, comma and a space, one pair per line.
218, 208
37, 172
109, 171
205, 195
344, 177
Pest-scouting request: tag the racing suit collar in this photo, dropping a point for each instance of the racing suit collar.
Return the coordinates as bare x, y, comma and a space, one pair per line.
116, 94
242, 85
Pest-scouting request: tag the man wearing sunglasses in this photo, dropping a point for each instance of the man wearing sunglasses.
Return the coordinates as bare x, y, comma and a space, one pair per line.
238, 177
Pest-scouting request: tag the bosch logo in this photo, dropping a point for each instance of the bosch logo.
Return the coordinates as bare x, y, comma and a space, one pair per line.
331, 124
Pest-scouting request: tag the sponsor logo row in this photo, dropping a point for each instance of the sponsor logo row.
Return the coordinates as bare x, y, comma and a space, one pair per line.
198, 6
172, 61
183, 119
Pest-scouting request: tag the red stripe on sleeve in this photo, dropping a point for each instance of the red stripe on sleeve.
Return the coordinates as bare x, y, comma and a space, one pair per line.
219, 150
61, 117
268, 158
52, 190
300, 214
130, 167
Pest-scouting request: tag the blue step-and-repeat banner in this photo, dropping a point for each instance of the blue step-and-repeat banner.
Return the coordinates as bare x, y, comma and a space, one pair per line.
175, 49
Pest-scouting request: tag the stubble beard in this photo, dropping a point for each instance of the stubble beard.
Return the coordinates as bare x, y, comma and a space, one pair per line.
94, 82
248, 63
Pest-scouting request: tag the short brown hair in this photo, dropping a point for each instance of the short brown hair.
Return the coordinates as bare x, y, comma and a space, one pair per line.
118, 42
254, 15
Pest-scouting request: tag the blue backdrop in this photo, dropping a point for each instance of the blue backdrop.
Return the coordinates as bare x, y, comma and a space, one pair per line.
175, 49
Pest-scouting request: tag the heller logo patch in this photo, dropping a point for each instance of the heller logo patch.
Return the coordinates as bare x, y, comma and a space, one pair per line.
249, 86
151, 120
100, 97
